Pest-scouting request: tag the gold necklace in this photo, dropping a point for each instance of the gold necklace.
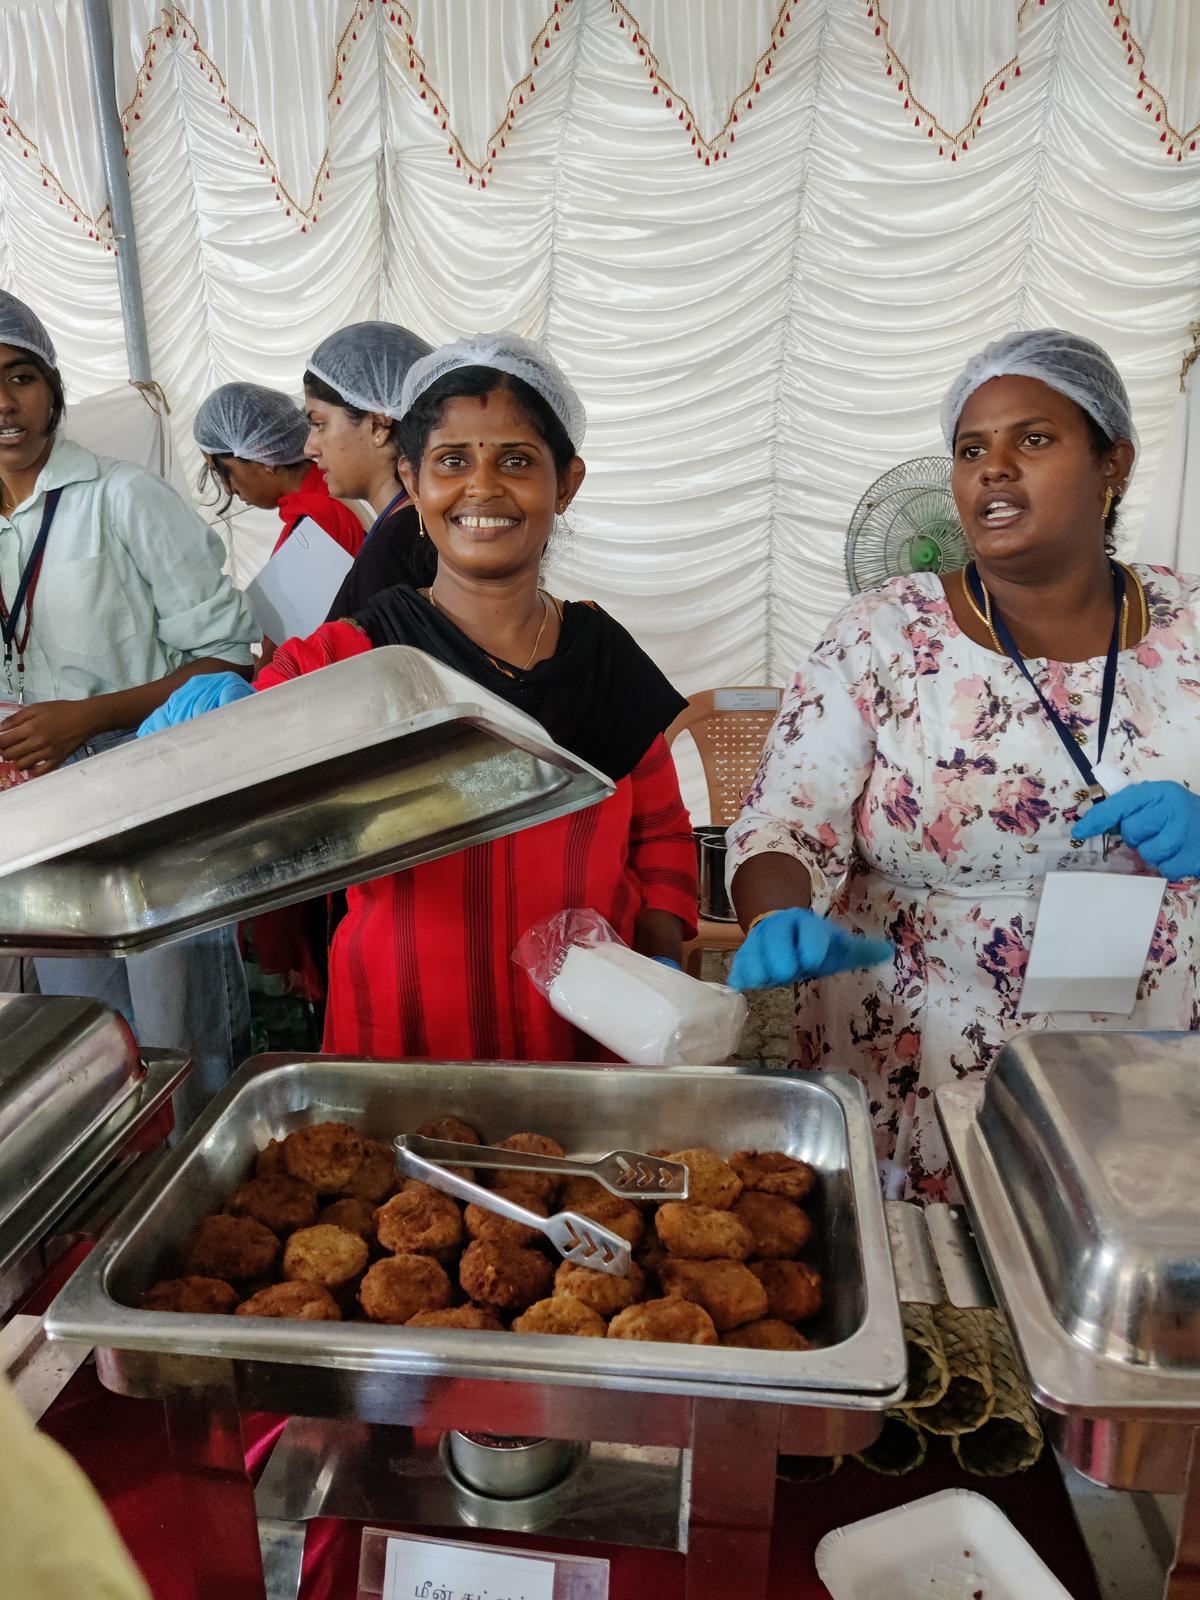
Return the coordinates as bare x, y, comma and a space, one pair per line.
985, 616
987, 600
428, 593
1143, 604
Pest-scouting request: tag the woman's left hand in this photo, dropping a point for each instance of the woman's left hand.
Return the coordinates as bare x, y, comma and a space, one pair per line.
1161, 821
39, 738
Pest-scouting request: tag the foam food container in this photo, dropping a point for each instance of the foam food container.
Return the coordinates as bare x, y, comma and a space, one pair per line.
951, 1546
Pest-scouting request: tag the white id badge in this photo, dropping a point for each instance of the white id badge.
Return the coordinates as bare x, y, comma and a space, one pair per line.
1090, 942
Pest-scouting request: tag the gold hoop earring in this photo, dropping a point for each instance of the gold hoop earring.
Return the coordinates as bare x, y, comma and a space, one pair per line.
1108, 504
421, 534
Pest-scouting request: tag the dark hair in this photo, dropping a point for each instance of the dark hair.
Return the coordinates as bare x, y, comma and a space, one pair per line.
320, 390
214, 475
54, 378
469, 383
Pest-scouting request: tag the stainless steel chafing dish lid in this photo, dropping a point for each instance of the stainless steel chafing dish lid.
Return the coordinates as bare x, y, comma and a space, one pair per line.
65, 1066
372, 765
1095, 1138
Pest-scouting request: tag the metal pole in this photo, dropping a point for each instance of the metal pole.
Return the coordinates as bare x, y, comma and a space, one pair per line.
116, 180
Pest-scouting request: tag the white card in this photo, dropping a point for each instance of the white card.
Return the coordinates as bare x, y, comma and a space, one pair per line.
416, 1567
1090, 942
1110, 777
292, 594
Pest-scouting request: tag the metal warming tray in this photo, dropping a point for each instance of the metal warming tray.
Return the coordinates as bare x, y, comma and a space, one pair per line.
1077, 1158
590, 1110
76, 1098
65, 1066
678, 1445
368, 767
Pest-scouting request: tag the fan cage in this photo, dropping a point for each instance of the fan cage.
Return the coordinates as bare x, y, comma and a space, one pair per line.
905, 522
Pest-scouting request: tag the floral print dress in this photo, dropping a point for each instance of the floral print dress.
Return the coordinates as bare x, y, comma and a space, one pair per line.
915, 775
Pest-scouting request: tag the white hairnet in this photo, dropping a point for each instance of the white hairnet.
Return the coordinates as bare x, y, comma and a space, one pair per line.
504, 352
1067, 362
252, 423
367, 364
21, 329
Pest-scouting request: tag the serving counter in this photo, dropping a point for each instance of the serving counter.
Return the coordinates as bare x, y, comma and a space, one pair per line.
687, 1436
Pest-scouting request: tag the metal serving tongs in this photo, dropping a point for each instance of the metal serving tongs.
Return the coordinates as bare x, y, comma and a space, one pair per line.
626, 1173
576, 1238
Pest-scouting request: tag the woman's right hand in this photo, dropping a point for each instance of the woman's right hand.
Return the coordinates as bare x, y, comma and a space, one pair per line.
794, 945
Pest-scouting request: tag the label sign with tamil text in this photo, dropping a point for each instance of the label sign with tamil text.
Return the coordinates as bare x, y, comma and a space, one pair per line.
418, 1570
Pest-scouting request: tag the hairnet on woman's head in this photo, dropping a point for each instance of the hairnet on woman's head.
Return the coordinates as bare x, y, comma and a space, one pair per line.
367, 364
1067, 362
23, 330
252, 423
509, 353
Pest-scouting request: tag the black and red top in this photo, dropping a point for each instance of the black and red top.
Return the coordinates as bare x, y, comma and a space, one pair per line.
421, 965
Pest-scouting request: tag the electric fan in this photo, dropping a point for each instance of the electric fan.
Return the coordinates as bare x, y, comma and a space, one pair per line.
906, 522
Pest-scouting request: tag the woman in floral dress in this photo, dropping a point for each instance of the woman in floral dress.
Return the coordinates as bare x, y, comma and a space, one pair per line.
914, 787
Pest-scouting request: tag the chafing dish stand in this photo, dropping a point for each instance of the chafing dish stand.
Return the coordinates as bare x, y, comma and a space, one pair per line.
678, 1444
1077, 1158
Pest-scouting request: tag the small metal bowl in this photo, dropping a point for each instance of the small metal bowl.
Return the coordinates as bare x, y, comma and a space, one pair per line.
508, 1469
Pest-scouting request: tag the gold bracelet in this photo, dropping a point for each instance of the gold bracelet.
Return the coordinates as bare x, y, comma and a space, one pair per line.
762, 917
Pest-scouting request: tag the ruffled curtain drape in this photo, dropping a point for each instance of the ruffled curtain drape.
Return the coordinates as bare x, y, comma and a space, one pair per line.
730, 219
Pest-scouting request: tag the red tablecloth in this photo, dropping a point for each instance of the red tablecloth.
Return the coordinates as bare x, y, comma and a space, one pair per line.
121, 1445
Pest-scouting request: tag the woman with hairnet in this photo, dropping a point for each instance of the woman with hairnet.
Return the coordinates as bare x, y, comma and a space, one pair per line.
111, 596
421, 964
352, 390
253, 441
955, 740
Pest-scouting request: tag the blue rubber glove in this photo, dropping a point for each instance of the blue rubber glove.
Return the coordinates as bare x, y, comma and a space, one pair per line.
665, 961
794, 945
1161, 821
192, 699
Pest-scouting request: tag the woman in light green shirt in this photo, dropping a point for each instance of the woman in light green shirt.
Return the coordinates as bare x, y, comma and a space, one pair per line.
130, 599
111, 596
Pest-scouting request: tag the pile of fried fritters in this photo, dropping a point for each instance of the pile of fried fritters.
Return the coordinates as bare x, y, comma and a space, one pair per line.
326, 1230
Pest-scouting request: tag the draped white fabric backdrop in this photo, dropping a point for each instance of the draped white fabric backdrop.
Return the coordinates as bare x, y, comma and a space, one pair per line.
739, 239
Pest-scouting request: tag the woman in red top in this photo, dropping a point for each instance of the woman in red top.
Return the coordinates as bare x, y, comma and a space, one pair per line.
253, 442
421, 964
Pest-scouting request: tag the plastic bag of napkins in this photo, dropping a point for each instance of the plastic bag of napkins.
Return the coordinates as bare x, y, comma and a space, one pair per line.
635, 1006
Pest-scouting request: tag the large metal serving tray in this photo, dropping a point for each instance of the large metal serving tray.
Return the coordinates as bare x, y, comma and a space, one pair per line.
1078, 1161
370, 766
820, 1118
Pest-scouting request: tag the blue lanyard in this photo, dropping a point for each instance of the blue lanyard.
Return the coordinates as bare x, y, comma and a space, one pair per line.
1107, 692
10, 620
387, 511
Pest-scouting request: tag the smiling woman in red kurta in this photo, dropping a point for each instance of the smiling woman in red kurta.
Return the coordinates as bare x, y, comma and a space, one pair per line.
421, 965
